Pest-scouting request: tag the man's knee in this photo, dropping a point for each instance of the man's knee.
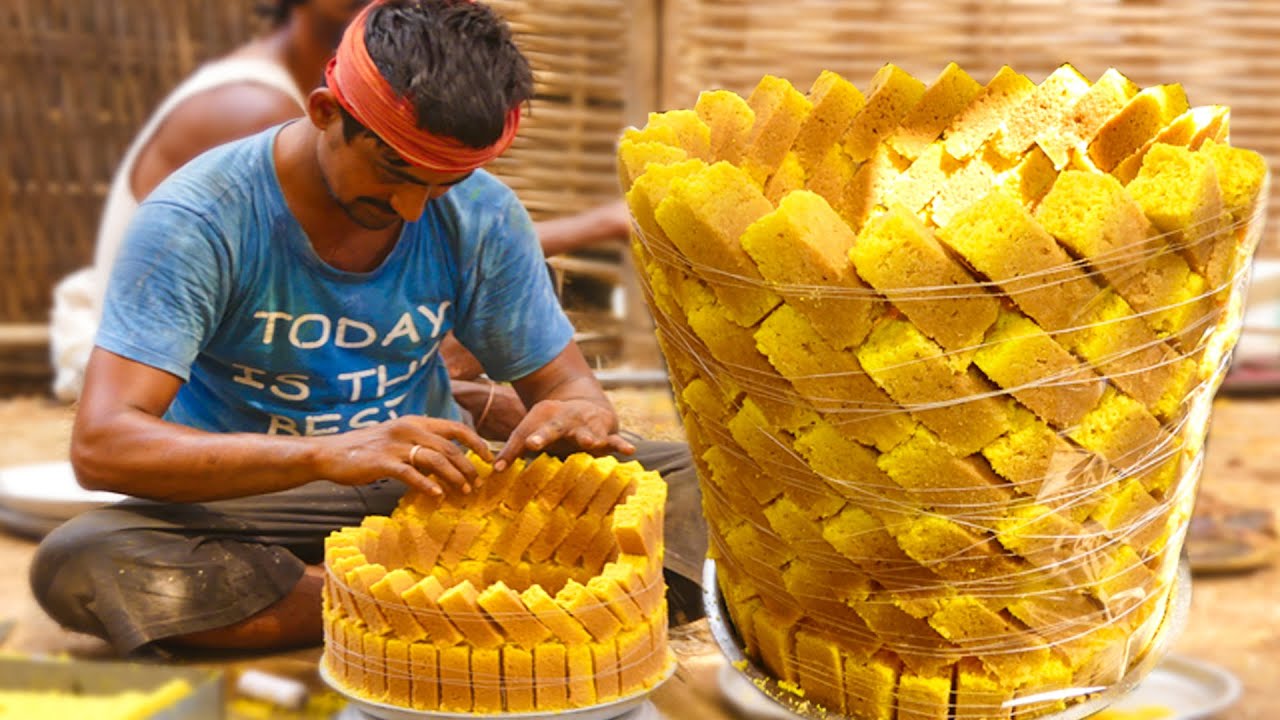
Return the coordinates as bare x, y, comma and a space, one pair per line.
64, 568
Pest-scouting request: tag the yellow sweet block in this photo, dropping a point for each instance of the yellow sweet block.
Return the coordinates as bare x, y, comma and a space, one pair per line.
424, 663
980, 693
578, 601
1042, 109
635, 659
788, 178
634, 157
609, 593
638, 531
898, 255
484, 545
360, 580
604, 658
575, 543
871, 686
1178, 190
825, 591
1001, 240
1045, 538
862, 538
690, 133
423, 601
1131, 514
554, 492
957, 405
1140, 119
924, 697
922, 180
1015, 655
1123, 582
936, 478
835, 102
486, 680
588, 483
520, 532
942, 101
388, 593
350, 645
830, 177
920, 648
1122, 347
466, 530
567, 629
399, 691
581, 676
733, 477
830, 380
504, 606
729, 119
1120, 430
970, 129
805, 243
1043, 375
820, 670
704, 215
614, 488
864, 195
1191, 129
460, 604
780, 111
761, 557
848, 467
1057, 614
954, 551
893, 93
551, 680
1100, 102
1240, 175
374, 652
766, 447
641, 578
517, 679
775, 635
1030, 178
1040, 463
790, 522
455, 679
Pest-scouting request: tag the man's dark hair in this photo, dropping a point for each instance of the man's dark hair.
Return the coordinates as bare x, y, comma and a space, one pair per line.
276, 12
454, 60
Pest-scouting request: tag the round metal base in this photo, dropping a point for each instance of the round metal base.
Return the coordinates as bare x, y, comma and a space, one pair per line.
726, 636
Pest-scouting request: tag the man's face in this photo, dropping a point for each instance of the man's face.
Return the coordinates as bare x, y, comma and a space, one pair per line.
372, 184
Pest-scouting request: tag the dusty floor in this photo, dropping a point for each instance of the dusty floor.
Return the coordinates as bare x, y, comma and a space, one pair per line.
1235, 620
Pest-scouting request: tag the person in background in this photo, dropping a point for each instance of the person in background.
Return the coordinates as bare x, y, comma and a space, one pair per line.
260, 84
268, 366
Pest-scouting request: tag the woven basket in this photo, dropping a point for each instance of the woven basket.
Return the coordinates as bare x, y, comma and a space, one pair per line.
1222, 52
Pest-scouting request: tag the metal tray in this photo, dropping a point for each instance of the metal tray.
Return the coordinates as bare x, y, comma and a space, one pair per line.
91, 677
726, 636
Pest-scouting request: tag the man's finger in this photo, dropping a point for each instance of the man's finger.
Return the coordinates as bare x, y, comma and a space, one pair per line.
431, 461
415, 479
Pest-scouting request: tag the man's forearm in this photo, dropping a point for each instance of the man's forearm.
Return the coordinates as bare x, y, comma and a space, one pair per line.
143, 456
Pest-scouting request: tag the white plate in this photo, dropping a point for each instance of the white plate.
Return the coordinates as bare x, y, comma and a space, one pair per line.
632, 707
1192, 689
1189, 688
49, 490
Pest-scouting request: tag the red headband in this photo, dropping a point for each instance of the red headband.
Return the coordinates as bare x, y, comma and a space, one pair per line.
354, 79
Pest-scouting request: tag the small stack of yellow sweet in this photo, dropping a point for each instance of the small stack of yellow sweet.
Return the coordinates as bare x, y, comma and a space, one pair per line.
540, 591
945, 356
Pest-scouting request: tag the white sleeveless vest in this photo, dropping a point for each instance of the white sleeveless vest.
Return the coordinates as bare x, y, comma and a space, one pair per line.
77, 299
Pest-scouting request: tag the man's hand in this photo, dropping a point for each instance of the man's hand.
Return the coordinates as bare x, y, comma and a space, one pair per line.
419, 451
495, 408
570, 424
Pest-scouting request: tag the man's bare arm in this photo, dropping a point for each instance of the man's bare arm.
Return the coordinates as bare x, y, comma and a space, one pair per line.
121, 444
205, 121
567, 409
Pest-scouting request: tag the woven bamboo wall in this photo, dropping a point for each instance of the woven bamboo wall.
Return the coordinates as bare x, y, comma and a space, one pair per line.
1224, 52
80, 76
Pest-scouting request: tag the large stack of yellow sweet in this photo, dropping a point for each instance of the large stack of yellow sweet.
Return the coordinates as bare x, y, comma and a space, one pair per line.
945, 355
540, 591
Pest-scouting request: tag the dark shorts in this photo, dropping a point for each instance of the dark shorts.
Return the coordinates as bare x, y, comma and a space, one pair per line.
141, 571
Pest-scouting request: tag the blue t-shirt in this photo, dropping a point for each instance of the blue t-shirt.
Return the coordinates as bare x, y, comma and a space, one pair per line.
218, 284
